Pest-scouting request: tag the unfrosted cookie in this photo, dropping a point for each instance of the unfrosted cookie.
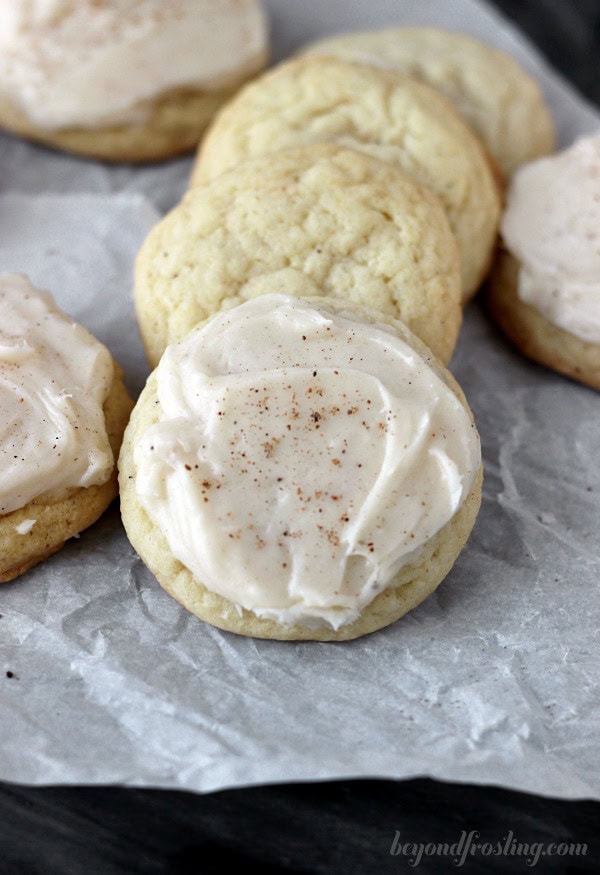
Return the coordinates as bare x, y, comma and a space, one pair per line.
380, 112
488, 87
545, 294
124, 84
300, 469
63, 410
321, 220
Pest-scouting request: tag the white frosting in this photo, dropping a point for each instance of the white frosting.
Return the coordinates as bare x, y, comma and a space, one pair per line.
86, 63
54, 380
25, 526
301, 458
552, 226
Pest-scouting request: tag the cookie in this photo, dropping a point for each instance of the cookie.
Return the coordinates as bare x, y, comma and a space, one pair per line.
545, 289
380, 112
495, 95
139, 84
63, 408
320, 220
535, 335
300, 469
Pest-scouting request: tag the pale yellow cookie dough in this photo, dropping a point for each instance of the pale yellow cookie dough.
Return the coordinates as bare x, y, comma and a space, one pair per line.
494, 94
59, 518
321, 220
380, 112
173, 124
410, 587
533, 334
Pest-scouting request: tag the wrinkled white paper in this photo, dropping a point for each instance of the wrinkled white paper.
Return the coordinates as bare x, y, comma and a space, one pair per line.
493, 680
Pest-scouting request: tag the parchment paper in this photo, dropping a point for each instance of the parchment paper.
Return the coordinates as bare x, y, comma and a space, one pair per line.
493, 680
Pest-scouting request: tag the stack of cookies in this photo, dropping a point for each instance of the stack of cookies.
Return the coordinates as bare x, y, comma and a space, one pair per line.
301, 464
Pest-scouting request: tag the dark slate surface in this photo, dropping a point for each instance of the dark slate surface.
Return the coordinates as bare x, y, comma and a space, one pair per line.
346, 826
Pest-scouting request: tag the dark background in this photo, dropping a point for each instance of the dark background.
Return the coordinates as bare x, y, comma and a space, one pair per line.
345, 826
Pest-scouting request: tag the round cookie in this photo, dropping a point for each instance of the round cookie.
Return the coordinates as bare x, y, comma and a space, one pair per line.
381, 112
413, 583
545, 292
173, 124
495, 95
125, 84
534, 334
320, 220
59, 518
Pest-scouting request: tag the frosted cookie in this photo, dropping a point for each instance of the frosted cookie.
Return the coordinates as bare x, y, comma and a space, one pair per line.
300, 469
124, 81
376, 111
490, 90
322, 220
63, 410
545, 289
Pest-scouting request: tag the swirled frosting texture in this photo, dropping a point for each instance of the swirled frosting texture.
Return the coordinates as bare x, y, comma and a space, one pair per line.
86, 63
552, 226
54, 380
301, 458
